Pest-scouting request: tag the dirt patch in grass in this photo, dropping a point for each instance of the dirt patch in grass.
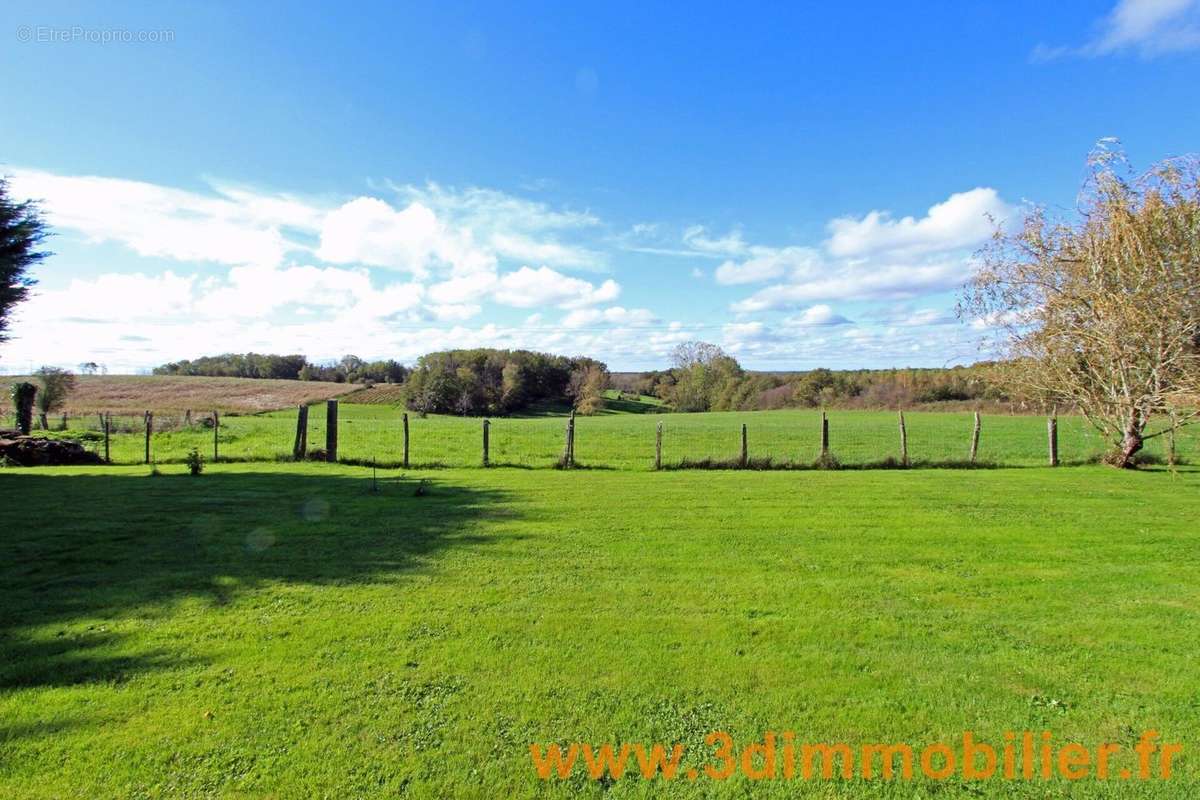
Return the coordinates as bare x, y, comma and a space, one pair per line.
132, 394
382, 394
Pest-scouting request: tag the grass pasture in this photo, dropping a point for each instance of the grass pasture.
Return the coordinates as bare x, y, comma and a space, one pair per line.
619, 440
281, 630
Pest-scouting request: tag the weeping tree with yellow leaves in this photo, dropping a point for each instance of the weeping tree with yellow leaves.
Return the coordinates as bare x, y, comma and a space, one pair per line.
1102, 312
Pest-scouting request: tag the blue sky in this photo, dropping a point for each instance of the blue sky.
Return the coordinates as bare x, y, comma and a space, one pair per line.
804, 185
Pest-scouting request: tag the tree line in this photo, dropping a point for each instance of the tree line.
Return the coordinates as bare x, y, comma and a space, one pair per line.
706, 378
350, 369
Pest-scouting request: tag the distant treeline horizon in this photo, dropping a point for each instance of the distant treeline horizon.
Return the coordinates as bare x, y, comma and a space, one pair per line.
704, 378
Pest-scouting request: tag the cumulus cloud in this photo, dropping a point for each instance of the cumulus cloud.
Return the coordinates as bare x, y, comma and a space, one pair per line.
863, 281
159, 221
613, 315
99, 299
512, 227
873, 257
963, 220
369, 231
820, 314
433, 229
768, 263
1150, 28
529, 288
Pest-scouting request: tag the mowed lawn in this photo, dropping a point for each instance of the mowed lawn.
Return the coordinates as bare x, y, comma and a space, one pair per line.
285, 631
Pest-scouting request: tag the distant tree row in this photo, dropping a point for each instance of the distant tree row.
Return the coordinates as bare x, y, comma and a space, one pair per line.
487, 381
350, 369
705, 378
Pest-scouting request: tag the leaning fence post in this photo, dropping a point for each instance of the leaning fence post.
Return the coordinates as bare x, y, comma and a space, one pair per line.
485, 442
301, 445
406, 440
903, 441
331, 431
745, 456
216, 431
1052, 437
975, 438
658, 446
824, 435
149, 429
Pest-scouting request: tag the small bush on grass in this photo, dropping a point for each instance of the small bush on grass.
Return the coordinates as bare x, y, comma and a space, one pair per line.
195, 462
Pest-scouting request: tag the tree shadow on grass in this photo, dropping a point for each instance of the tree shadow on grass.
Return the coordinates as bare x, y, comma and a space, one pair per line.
77, 551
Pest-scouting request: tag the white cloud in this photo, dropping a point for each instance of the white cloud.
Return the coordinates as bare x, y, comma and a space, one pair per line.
962, 220
525, 248
454, 312
817, 315
117, 296
614, 315
435, 230
697, 238
863, 281
158, 221
463, 289
1150, 27
529, 288
873, 257
767, 263
512, 227
369, 231
738, 333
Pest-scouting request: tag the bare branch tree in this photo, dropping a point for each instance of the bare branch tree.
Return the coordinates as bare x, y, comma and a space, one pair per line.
1103, 313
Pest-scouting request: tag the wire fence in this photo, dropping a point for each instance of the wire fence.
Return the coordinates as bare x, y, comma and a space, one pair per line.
766, 439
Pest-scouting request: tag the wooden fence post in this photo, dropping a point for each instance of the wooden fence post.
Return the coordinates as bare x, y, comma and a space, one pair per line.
406, 440
903, 442
975, 438
824, 435
1052, 438
569, 449
216, 431
1171, 441
485, 442
301, 446
64, 421
745, 456
106, 423
658, 446
331, 431
187, 418
149, 429
571, 439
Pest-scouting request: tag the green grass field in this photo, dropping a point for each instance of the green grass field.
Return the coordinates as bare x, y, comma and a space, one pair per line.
281, 630
621, 438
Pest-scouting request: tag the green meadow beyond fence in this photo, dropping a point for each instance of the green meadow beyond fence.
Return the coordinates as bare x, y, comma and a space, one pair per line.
389, 436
